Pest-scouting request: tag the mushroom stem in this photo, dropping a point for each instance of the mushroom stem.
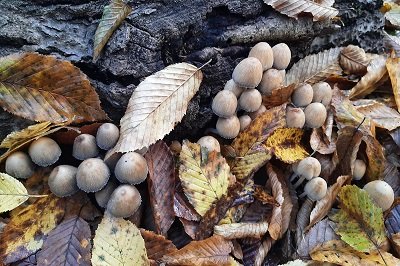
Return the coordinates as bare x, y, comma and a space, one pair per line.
302, 195
298, 183
293, 177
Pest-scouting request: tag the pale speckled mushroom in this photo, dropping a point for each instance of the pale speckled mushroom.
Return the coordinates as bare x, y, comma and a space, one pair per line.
44, 151
302, 95
263, 52
85, 147
244, 121
250, 100
282, 56
103, 196
248, 73
124, 201
19, 165
359, 169
62, 180
259, 111
295, 117
315, 114
315, 189
381, 193
271, 80
92, 175
131, 168
224, 104
230, 85
307, 168
107, 136
228, 128
210, 143
322, 93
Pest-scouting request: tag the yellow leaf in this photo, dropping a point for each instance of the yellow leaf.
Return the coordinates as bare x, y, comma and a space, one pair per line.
285, 143
12, 193
205, 176
118, 242
392, 65
25, 232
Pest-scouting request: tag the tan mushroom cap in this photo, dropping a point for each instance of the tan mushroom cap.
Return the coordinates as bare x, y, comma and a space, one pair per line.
228, 128
302, 95
282, 56
103, 196
322, 93
359, 169
107, 136
250, 100
175, 147
85, 147
295, 117
230, 85
131, 168
62, 180
272, 79
244, 121
19, 165
259, 111
381, 193
92, 175
316, 188
248, 73
124, 201
263, 52
44, 151
315, 114
308, 168
210, 143
224, 104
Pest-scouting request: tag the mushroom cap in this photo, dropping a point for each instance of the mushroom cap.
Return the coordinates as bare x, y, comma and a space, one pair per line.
85, 147
309, 167
283, 73
295, 117
175, 147
271, 79
381, 193
92, 175
107, 136
210, 143
104, 195
228, 128
282, 56
131, 168
62, 180
322, 93
124, 201
302, 95
250, 100
111, 158
259, 111
263, 52
224, 104
230, 85
248, 73
316, 188
359, 169
315, 114
44, 151
19, 165
244, 121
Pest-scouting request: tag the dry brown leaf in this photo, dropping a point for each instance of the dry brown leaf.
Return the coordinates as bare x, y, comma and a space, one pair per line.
395, 240
353, 60
320, 10
376, 158
183, 208
241, 230
278, 96
392, 43
190, 227
261, 194
303, 219
382, 115
315, 68
392, 65
250, 247
392, 224
156, 245
263, 250
376, 71
319, 142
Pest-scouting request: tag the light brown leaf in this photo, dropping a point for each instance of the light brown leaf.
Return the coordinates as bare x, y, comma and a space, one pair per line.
353, 60
391, 43
241, 230
278, 96
190, 227
263, 250
156, 245
392, 65
319, 142
382, 115
376, 158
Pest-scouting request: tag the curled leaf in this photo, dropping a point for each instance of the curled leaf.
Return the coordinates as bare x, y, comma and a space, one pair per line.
263, 250
156, 245
320, 143
353, 60
376, 158
382, 115
392, 65
241, 230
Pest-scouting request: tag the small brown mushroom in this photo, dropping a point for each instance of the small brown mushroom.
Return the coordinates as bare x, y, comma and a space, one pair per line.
19, 165
85, 147
107, 136
228, 128
359, 169
62, 180
175, 147
307, 168
44, 151
322, 93
263, 52
230, 85
131, 168
315, 114
244, 121
315, 189
103, 196
302, 95
381, 193
210, 143
259, 111
271, 80
248, 73
92, 175
124, 201
282, 56
224, 104
295, 117
250, 100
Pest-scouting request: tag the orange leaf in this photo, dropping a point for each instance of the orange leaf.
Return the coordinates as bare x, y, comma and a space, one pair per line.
156, 245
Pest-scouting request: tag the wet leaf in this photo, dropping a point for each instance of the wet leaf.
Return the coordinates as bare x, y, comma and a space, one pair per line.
353, 60
241, 230
278, 96
118, 242
12, 193
43, 88
382, 115
113, 15
156, 245
392, 65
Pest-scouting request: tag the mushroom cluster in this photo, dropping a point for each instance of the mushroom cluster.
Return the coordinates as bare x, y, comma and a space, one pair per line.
260, 73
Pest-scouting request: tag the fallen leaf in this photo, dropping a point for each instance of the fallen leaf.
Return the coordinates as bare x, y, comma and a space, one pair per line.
391, 43
161, 185
376, 158
303, 219
278, 96
156, 105
320, 143
392, 17
315, 68
261, 194
382, 115
12, 193
156, 245
26, 231
67, 244
392, 222
320, 10
190, 227
67, 137
263, 250
241, 230
392, 65
353, 60
359, 222
395, 241
118, 242
250, 247
183, 208
44, 88
113, 15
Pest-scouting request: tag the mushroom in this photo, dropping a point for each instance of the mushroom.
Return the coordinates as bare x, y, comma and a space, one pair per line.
259, 111
224, 104
263, 52
228, 128
230, 85
250, 100
244, 121
283, 73
248, 73
381, 193
44, 151
315, 115
295, 117
307, 168
124, 201
62, 180
19, 165
359, 169
104, 195
271, 79
107, 136
85, 147
175, 147
92, 175
282, 56
210, 143
322, 93
302, 95
315, 189
131, 168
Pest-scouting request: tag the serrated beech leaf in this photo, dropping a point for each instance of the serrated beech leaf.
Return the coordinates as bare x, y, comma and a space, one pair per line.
392, 65
12, 193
